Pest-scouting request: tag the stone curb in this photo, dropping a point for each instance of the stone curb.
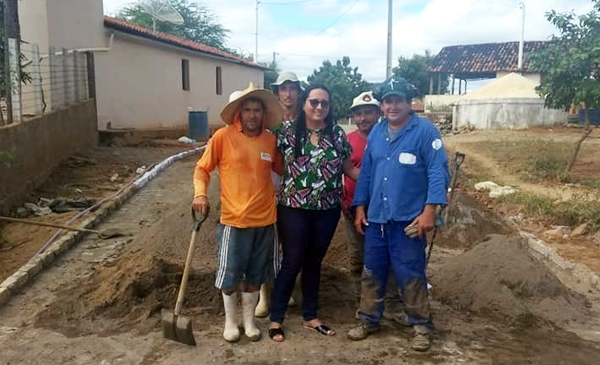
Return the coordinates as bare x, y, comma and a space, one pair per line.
26, 273
580, 271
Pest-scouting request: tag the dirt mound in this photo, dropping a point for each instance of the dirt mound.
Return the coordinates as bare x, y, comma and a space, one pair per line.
469, 223
128, 296
499, 278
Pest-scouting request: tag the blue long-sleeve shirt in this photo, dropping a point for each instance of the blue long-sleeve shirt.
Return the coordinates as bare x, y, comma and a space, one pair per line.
398, 178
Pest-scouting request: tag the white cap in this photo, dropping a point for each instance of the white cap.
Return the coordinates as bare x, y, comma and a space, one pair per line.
365, 98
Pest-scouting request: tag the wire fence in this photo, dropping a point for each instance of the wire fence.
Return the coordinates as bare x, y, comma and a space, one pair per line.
50, 80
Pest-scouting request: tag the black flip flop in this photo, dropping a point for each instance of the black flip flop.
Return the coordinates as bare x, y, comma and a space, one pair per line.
322, 329
276, 331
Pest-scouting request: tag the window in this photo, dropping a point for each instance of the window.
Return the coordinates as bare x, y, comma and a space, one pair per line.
219, 81
185, 74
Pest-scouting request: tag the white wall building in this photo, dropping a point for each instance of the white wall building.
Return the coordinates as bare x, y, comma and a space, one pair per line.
145, 80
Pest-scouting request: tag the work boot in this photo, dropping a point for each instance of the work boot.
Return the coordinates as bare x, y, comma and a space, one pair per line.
422, 339
231, 332
362, 331
262, 309
249, 305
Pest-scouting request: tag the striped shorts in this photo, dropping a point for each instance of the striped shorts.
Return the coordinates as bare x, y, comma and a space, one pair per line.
246, 254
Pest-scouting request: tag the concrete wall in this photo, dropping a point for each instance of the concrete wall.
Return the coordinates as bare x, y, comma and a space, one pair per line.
139, 84
34, 23
39, 145
506, 113
62, 23
440, 102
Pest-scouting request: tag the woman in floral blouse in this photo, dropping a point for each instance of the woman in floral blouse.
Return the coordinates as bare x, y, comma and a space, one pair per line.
316, 153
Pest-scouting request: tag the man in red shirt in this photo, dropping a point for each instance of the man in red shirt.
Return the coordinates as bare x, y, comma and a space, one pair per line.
365, 113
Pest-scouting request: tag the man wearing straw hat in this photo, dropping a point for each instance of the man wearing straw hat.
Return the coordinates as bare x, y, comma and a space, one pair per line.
245, 154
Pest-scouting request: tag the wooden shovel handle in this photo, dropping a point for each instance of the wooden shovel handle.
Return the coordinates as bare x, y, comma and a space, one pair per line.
188, 262
51, 225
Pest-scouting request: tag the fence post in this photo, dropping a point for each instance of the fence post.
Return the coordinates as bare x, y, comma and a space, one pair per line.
76, 78
54, 104
37, 81
14, 79
91, 75
66, 77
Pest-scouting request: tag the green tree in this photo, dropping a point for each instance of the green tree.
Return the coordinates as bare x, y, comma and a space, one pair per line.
344, 82
271, 74
571, 66
414, 70
200, 24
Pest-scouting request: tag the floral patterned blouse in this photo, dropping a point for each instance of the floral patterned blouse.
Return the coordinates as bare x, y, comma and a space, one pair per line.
313, 180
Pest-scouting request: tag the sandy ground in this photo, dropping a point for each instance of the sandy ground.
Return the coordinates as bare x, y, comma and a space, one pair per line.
100, 303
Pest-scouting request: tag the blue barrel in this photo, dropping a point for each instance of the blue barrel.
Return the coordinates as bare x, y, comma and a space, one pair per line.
198, 124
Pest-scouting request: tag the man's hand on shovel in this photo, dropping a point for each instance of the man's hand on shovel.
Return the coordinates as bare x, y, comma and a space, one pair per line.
201, 205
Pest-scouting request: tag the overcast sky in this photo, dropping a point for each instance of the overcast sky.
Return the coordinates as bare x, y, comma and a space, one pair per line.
306, 32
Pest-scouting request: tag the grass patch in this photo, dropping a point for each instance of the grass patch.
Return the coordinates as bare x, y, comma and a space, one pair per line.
534, 159
584, 208
593, 183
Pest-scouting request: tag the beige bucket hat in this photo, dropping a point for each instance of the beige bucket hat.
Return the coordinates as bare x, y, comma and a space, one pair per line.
286, 76
272, 113
365, 98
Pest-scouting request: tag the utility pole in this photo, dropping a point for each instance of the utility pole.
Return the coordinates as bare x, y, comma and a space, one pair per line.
388, 72
13, 63
256, 33
522, 41
274, 58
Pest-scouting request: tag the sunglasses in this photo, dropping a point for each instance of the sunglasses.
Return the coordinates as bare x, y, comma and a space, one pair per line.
315, 103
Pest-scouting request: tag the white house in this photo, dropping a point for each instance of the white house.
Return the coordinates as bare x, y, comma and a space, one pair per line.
145, 80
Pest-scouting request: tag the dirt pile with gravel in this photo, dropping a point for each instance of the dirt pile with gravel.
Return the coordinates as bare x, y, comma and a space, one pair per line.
469, 223
501, 279
128, 296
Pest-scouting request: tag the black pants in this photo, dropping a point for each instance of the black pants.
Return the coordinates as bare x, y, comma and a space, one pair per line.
306, 235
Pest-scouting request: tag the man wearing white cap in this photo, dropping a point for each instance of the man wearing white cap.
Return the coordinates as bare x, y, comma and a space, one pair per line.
365, 113
245, 154
287, 89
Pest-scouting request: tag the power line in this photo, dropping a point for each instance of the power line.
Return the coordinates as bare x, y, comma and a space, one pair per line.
324, 29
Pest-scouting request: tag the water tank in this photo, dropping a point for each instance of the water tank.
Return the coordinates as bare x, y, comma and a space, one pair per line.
198, 125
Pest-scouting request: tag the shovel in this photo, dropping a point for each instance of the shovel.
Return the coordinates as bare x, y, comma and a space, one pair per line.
105, 234
174, 326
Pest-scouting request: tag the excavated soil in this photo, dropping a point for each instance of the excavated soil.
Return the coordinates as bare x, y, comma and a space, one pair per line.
499, 278
469, 223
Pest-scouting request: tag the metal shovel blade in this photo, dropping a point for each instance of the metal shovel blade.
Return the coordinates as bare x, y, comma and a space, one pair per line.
177, 328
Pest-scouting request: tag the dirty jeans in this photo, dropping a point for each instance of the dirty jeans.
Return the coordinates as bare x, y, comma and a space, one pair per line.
386, 245
355, 244
305, 237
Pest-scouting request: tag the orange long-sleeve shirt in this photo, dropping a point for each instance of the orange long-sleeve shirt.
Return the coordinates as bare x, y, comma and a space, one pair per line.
245, 164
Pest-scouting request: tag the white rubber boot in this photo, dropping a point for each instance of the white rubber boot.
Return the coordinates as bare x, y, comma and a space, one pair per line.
249, 305
231, 332
262, 309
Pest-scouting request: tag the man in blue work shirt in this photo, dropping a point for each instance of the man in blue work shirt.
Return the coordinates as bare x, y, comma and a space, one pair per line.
403, 178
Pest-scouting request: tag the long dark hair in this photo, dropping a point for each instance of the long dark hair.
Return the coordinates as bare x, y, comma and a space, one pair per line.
300, 134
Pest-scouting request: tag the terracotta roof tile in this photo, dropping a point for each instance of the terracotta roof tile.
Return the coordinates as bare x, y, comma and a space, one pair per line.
481, 58
134, 29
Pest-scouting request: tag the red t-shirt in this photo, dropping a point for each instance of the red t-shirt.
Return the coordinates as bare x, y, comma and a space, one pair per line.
358, 143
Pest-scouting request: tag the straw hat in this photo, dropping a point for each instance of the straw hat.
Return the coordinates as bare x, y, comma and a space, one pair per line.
272, 114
